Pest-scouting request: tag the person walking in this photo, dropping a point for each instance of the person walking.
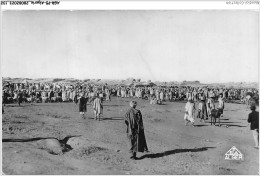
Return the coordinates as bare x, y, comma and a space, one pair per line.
253, 119
135, 131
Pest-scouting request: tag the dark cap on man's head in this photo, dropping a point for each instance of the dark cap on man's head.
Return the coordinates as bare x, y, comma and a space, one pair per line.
252, 107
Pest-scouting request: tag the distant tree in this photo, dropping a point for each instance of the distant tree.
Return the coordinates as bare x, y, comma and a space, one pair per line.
138, 80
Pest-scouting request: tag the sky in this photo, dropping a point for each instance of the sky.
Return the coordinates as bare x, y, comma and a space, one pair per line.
174, 45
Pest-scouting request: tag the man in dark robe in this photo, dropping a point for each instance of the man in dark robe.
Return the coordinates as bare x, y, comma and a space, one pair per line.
3, 111
135, 130
51, 95
76, 98
82, 105
253, 118
5, 97
20, 97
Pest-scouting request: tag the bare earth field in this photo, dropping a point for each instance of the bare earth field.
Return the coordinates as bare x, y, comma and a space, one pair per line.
30, 144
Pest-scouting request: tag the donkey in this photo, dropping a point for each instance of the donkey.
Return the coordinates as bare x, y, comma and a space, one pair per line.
215, 114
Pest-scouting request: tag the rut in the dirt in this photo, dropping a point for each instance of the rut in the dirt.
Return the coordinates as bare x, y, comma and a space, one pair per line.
50, 144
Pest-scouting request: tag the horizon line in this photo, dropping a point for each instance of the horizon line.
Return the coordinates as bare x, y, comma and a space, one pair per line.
128, 78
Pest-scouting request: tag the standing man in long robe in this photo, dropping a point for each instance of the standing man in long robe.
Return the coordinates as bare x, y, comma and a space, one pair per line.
253, 118
202, 110
119, 91
64, 95
210, 105
161, 96
135, 131
98, 107
107, 91
19, 97
189, 112
157, 93
221, 105
82, 105
131, 93
75, 97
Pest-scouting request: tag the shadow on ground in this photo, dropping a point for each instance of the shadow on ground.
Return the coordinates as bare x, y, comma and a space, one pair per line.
113, 105
112, 118
233, 125
201, 125
224, 122
171, 152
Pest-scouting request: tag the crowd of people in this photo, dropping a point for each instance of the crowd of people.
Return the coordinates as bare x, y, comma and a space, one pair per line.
96, 94
61, 92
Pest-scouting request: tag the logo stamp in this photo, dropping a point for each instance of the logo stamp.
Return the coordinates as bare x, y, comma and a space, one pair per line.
234, 154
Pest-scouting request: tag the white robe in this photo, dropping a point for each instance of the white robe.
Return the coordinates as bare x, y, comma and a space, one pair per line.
190, 108
64, 96
161, 96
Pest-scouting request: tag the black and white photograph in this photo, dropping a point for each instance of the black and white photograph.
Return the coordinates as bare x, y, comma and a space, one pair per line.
129, 91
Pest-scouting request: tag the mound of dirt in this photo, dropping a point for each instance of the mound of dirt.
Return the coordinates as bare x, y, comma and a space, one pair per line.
78, 142
53, 146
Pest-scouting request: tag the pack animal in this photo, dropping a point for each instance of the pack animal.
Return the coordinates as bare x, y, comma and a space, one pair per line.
215, 114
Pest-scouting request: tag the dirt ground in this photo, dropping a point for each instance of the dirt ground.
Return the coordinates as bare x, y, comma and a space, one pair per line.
51, 138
